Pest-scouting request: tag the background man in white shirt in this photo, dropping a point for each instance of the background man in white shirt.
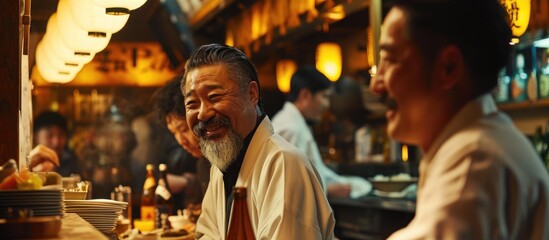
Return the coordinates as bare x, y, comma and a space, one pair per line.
309, 98
480, 177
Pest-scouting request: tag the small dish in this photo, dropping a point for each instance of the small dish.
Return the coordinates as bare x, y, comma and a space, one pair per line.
392, 186
179, 221
75, 195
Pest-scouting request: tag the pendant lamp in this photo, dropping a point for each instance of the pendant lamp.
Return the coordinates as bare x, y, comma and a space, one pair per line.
119, 7
56, 62
328, 60
48, 72
93, 18
284, 70
75, 37
53, 41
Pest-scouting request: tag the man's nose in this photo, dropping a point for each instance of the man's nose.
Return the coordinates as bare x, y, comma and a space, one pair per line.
376, 84
205, 112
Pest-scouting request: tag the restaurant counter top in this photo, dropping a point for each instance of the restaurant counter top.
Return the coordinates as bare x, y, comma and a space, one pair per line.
396, 204
371, 217
75, 227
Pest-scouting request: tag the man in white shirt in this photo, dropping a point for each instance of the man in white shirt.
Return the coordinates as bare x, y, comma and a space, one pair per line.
480, 177
284, 197
308, 99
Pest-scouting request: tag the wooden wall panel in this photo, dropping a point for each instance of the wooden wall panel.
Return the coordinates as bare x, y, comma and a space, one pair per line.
10, 74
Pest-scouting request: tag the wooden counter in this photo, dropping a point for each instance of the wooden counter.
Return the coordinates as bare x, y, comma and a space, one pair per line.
75, 227
370, 217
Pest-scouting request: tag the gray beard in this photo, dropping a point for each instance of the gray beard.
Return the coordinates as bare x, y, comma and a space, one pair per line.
222, 152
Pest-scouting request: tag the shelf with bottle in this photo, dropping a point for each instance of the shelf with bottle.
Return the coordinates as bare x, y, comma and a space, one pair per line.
524, 82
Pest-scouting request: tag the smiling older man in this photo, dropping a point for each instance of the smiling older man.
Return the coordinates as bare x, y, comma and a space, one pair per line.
284, 196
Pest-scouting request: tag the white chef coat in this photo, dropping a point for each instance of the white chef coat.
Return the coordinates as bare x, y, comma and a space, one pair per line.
481, 179
291, 125
285, 199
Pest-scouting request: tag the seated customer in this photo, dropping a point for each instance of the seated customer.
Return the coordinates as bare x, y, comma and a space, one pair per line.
309, 98
284, 196
43, 159
480, 177
189, 172
50, 129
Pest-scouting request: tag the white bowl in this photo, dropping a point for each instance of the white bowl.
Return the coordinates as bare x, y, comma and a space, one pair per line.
178, 222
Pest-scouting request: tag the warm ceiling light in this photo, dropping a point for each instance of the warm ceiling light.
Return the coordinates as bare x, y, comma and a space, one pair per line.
54, 43
75, 37
284, 71
93, 18
50, 73
404, 151
336, 13
519, 15
56, 62
119, 7
328, 60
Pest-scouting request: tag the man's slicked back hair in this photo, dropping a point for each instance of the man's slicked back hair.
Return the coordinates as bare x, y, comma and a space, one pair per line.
479, 28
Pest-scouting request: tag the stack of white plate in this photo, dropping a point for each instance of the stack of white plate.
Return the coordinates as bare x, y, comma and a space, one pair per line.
42, 202
101, 213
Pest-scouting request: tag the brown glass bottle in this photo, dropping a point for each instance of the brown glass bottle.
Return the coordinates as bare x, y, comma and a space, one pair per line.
240, 227
163, 199
147, 198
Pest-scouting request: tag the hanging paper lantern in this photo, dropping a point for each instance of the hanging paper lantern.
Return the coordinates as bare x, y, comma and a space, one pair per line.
50, 73
284, 71
119, 7
93, 18
519, 16
52, 40
75, 37
328, 60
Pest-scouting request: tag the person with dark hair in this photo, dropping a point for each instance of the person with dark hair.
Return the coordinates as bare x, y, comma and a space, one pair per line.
189, 176
309, 98
51, 130
284, 196
480, 177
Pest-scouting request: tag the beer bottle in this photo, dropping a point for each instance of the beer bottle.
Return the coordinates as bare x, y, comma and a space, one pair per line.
147, 198
240, 226
163, 199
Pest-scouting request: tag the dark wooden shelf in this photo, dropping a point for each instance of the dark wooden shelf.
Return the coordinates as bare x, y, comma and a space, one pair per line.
512, 106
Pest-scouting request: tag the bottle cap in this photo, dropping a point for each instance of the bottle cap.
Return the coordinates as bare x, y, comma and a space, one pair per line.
162, 167
149, 167
239, 192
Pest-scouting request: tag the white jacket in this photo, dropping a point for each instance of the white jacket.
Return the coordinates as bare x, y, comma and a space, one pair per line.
285, 199
291, 125
481, 179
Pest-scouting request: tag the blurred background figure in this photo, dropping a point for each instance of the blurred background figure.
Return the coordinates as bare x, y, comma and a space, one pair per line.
309, 98
51, 130
188, 170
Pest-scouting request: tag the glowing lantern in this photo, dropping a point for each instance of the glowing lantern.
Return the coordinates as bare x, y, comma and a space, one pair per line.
75, 37
328, 60
519, 14
119, 7
284, 71
50, 73
93, 18
54, 44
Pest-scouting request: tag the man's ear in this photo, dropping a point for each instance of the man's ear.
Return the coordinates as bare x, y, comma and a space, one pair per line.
304, 94
450, 67
253, 91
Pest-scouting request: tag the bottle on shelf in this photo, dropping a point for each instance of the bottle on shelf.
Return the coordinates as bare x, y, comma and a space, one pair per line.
544, 76
501, 93
163, 199
147, 198
240, 226
518, 85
